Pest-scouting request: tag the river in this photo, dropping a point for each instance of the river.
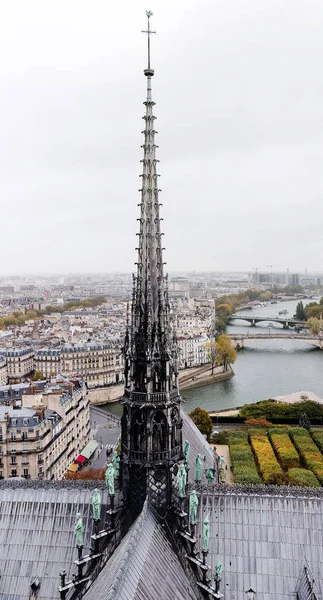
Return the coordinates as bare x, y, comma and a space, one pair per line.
264, 369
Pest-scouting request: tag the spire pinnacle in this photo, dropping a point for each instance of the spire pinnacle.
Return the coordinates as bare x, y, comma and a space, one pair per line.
149, 71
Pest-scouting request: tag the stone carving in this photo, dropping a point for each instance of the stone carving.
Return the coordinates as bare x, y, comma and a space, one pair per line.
210, 475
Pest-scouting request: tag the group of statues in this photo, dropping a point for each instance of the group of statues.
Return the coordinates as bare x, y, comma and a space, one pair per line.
111, 473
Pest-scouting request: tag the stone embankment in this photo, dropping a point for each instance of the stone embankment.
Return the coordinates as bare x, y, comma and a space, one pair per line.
189, 378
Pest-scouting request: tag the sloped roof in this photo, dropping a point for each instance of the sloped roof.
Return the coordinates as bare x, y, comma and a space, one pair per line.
143, 567
263, 539
37, 535
198, 445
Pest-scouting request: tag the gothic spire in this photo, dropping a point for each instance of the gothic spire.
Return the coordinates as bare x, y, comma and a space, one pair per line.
150, 342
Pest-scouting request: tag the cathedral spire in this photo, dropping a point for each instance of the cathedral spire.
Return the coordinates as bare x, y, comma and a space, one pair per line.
151, 342
151, 426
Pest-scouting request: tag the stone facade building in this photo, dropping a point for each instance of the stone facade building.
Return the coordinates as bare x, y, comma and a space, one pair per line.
20, 363
42, 430
3, 370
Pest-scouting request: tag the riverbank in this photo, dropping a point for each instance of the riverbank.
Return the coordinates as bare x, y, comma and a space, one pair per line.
288, 398
188, 379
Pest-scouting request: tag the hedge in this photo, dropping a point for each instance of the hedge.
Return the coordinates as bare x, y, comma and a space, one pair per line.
303, 478
284, 448
269, 467
242, 459
272, 408
308, 450
317, 435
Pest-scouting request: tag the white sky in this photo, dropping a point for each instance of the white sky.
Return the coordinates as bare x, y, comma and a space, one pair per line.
238, 88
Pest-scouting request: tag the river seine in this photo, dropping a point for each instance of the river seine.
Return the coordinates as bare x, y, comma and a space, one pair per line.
265, 368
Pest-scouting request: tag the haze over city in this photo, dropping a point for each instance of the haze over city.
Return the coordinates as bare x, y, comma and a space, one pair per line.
239, 109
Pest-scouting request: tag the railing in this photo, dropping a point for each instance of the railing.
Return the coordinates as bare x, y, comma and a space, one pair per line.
152, 456
154, 398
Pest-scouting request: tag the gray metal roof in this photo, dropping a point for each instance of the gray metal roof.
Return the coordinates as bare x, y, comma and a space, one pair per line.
37, 535
263, 541
143, 567
198, 445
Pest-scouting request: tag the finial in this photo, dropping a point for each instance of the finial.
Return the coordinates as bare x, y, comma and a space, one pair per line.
148, 72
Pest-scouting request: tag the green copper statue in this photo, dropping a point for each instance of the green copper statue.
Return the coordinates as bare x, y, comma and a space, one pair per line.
187, 451
181, 480
206, 534
96, 504
199, 468
218, 570
116, 464
79, 531
194, 502
109, 478
210, 475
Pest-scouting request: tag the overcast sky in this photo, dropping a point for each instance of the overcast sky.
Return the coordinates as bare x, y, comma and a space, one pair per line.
238, 88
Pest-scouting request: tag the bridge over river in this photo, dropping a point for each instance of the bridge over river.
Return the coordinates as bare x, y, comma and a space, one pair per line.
239, 339
253, 320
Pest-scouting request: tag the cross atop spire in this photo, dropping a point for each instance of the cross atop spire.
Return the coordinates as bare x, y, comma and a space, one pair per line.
148, 72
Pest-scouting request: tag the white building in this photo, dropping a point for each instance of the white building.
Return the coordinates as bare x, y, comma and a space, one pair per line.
192, 350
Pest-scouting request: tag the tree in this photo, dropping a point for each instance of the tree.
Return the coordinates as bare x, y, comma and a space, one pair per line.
313, 324
304, 421
211, 353
37, 376
202, 420
226, 353
89, 474
300, 312
258, 422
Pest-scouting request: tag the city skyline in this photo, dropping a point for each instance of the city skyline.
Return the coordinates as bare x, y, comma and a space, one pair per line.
240, 163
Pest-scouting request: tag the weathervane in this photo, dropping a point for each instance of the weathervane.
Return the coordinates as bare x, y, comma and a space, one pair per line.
149, 32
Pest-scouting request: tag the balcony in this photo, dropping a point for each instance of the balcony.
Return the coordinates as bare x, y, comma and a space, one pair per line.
155, 398
152, 456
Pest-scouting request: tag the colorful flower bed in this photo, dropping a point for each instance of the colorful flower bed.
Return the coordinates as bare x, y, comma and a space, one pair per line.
308, 451
269, 468
303, 478
242, 459
284, 448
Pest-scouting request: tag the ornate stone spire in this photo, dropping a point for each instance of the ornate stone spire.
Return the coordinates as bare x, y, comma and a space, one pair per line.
151, 425
151, 366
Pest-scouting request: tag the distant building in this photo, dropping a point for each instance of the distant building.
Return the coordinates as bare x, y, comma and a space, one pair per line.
192, 350
20, 363
3, 370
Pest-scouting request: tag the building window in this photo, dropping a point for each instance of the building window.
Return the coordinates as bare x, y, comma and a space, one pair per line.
13, 472
26, 473
13, 460
24, 435
25, 460
13, 435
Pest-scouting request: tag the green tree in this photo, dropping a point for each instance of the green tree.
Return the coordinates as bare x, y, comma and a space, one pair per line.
211, 353
226, 353
313, 325
304, 421
37, 376
300, 312
202, 420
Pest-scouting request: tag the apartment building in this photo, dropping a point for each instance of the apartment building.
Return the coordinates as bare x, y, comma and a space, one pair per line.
43, 430
192, 350
20, 363
95, 363
3, 370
